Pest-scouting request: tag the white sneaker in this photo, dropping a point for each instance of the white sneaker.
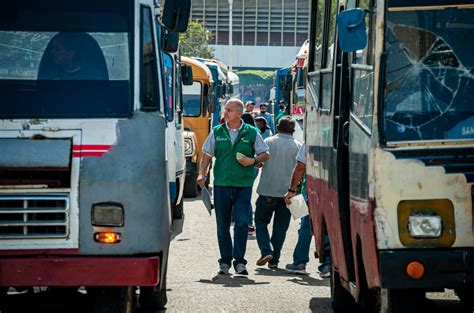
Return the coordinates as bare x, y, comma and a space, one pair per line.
223, 269
325, 271
240, 269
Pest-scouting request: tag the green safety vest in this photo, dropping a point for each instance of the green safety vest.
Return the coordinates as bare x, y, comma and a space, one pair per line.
227, 171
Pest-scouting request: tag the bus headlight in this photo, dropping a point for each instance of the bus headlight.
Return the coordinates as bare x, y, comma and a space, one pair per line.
425, 226
107, 214
426, 223
188, 147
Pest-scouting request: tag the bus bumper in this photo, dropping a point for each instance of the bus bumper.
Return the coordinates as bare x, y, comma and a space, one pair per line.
79, 271
444, 268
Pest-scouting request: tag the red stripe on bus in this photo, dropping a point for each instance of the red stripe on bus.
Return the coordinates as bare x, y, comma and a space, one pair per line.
78, 154
91, 147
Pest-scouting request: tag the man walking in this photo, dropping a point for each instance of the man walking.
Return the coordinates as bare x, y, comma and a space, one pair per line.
268, 117
237, 148
274, 181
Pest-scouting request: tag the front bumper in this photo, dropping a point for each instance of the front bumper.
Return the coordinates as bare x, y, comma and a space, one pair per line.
79, 271
444, 268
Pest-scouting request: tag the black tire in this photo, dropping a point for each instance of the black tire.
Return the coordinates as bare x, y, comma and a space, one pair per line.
114, 300
467, 300
342, 300
190, 189
151, 300
400, 301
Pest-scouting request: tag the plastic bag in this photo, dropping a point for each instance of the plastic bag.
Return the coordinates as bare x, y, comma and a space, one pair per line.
298, 207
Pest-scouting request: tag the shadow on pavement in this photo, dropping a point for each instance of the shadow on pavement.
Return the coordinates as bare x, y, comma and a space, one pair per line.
231, 281
320, 305
297, 278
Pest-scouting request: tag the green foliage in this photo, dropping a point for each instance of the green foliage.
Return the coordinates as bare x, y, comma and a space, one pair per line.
194, 42
255, 77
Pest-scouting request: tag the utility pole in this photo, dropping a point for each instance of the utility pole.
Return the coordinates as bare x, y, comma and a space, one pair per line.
230, 34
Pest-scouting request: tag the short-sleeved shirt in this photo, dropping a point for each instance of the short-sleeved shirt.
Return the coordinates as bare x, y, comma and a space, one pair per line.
301, 157
208, 147
276, 172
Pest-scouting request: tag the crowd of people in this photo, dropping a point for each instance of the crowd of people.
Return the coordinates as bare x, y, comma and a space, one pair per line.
244, 143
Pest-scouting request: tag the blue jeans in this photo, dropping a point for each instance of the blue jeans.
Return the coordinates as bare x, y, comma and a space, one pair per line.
265, 207
226, 198
301, 253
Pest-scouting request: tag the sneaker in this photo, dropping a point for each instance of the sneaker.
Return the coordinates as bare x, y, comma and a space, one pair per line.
272, 266
297, 269
240, 269
251, 231
223, 269
264, 259
325, 271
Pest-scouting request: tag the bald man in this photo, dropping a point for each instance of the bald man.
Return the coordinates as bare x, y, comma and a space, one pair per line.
233, 181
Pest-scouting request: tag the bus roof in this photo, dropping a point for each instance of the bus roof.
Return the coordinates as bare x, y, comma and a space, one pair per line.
200, 70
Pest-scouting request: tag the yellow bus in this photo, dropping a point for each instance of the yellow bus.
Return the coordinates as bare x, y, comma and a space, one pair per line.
198, 107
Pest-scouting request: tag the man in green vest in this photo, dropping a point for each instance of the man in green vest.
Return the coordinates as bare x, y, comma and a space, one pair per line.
237, 148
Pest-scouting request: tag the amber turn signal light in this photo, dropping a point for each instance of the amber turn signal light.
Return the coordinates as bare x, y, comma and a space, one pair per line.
108, 237
415, 270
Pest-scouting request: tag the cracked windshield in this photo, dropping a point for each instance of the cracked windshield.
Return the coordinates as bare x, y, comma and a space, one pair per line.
429, 75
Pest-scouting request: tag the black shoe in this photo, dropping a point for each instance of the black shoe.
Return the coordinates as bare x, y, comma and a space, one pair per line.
240, 269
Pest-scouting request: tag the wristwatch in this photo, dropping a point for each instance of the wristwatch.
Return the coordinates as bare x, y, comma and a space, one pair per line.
291, 190
256, 160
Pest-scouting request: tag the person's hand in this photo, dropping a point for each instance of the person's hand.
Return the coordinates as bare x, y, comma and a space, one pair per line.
246, 161
288, 197
259, 165
201, 180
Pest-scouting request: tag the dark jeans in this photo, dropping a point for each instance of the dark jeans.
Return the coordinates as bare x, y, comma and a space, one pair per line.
301, 252
265, 208
226, 198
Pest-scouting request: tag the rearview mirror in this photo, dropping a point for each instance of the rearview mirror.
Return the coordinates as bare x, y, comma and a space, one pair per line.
230, 89
186, 74
169, 41
351, 30
176, 15
212, 104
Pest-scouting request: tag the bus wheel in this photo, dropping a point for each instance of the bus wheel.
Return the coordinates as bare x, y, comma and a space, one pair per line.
465, 295
151, 300
399, 300
114, 300
342, 300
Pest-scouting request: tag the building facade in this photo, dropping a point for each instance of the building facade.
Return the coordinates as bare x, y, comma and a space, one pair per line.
266, 34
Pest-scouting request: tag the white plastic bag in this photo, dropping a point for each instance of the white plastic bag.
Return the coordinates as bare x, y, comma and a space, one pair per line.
298, 207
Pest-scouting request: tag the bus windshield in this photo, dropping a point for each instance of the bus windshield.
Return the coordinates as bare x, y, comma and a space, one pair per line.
429, 78
65, 59
192, 99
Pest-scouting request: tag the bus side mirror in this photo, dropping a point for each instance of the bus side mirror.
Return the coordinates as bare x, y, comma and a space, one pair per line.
351, 30
169, 41
186, 74
288, 85
212, 104
230, 89
176, 15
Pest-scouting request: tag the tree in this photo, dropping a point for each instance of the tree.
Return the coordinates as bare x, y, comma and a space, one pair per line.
194, 42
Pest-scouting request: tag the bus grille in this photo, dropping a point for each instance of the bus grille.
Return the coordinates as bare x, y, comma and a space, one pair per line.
39, 217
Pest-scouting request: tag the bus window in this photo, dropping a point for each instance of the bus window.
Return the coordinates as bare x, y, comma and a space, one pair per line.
71, 64
429, 75
362, 73
148, 83
330, 7
169, 87
192, 99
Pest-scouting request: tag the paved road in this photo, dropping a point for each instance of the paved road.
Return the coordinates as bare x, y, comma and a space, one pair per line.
195, 286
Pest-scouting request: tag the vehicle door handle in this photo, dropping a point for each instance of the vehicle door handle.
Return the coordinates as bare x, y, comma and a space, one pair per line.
345, 133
